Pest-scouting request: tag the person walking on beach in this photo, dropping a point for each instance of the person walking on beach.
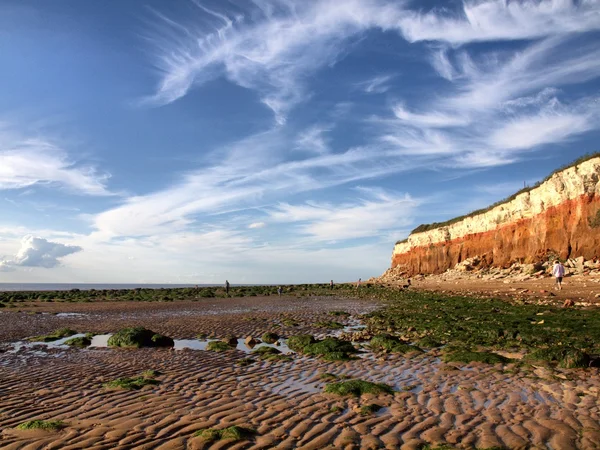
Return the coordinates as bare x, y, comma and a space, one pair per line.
358, 283
279, 290
558, 270
227, 288
331, 284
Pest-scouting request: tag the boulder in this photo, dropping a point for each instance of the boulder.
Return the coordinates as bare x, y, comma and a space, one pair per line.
250, 341
138, 337
230, 340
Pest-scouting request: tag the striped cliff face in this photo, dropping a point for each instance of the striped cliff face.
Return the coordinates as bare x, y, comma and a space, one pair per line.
561, 216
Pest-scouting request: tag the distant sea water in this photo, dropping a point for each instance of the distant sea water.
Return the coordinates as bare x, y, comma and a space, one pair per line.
87, 286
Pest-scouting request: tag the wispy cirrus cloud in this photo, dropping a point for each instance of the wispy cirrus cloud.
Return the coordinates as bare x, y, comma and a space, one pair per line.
272, 47
377, 212
498, 20
26, 162
377, 85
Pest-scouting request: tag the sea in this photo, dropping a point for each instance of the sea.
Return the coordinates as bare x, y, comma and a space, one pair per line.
4, 287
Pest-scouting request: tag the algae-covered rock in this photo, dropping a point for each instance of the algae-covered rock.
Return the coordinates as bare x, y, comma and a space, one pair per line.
138, 337
269, 337
357, 388
466, 356
218, 346
566, 357
299, 342
80, 342
55, 336
389, 343
331, 349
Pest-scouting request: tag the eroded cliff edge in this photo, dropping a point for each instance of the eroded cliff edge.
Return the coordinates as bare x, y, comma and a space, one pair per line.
560, 217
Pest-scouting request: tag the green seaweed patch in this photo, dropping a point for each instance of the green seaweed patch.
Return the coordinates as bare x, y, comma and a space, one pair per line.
329, 324
80, 342
331, 349
48, 425
566, 357
218, 346
329, 376
58, 334
357, 388
270, 338
391, 344
339, 313
233, 433
367, 410
429, 342
466, 356
131, 383
151, 373
290, 322
244, 362
271, 354
300, 342
138, 337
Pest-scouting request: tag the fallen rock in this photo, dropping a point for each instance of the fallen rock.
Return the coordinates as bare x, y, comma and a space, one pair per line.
250, 341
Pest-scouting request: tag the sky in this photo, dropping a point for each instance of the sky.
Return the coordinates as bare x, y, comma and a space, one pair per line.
274, 141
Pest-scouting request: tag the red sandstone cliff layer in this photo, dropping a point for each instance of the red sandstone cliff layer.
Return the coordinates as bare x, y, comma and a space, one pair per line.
562, 230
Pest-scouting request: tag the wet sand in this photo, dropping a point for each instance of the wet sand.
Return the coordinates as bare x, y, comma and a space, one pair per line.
467, 406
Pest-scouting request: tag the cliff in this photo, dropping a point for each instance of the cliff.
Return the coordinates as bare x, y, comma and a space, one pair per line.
559, 217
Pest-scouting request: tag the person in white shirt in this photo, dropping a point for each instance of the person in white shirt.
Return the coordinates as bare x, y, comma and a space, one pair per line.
558, 270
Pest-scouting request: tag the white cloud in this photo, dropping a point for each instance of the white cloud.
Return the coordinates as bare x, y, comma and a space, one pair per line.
495, 20
545, 128
376, 85
312, 140
256, 225
37, 252
26, 162
253, 171
369, 217
271, 50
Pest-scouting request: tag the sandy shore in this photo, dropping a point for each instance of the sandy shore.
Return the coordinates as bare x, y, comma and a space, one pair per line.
466, 406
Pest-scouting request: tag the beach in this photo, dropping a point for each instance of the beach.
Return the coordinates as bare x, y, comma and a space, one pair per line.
282, 401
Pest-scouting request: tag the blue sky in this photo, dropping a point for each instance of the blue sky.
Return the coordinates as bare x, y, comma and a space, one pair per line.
274, 141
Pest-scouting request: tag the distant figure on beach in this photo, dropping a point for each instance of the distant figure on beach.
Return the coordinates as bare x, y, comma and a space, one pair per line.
279, 290
227, 287
331, 284
358, 283
558, 270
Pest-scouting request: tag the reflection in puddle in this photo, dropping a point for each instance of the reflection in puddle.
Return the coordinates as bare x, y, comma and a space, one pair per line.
71, 314
101, 340
59, 343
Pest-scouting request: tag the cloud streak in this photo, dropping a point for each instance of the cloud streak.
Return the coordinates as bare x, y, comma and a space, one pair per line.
26, 162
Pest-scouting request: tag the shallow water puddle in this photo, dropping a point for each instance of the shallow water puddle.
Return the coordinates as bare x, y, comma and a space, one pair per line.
59, 343
101, 341
71, 314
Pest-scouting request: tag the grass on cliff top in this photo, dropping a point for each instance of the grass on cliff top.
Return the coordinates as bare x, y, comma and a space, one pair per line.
432, 226
492, 323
